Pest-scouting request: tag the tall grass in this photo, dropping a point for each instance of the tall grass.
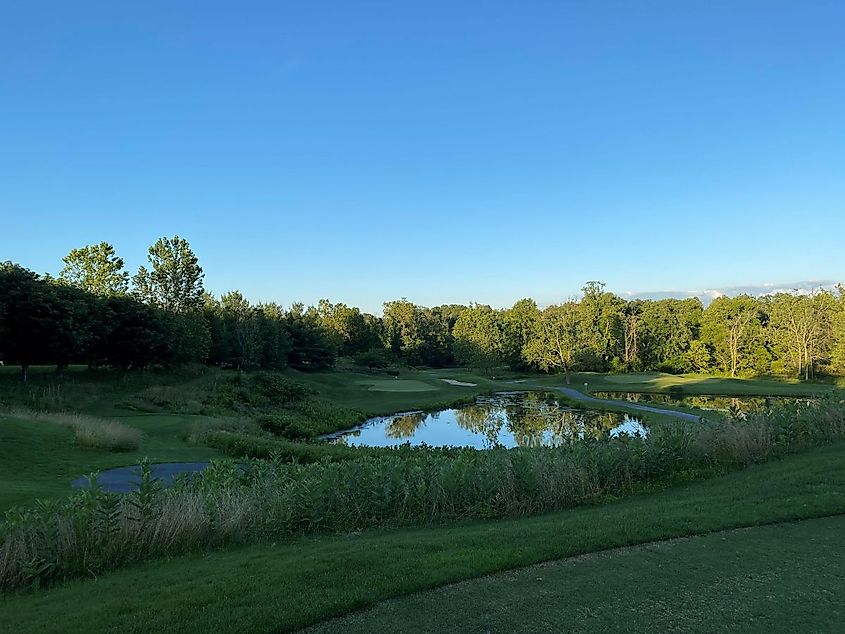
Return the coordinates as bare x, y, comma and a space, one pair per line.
272, 498
89, 431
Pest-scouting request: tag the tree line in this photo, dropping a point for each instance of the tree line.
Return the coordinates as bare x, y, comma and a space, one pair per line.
95, 313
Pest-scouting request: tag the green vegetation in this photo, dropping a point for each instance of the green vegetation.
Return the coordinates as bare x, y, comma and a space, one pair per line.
684, 384
167, 372
782, 578
92, 315
94, 531
284, 586
38, 460
91, 432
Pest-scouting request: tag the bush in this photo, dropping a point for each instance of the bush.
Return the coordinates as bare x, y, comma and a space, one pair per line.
374, 358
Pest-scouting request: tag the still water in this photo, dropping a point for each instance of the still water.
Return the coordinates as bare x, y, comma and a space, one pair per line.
725, 404
505, 419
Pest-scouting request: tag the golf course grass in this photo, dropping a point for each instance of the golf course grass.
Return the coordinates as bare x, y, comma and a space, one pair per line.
776, 575
778, 578
285, 586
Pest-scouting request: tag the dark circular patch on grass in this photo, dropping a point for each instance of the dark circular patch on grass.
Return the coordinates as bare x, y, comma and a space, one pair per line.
126, 479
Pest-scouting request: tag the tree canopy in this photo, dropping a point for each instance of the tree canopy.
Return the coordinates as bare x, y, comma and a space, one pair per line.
90, 314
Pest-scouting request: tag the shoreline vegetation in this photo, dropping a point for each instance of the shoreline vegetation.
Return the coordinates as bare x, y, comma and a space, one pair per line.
347, 489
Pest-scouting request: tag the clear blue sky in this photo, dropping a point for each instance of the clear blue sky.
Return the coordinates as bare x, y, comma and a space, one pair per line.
442, 151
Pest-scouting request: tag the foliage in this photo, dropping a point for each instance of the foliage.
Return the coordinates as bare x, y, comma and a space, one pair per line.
271, 498
174, 280
87, 317
95, 269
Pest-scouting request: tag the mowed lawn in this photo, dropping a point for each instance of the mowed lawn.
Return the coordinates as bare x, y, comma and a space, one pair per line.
777, 578
284, 586
689, 384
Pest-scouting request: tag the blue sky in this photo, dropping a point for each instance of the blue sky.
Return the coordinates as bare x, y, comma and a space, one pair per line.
440, 151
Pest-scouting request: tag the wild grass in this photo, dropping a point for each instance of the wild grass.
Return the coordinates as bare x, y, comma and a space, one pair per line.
273, 498
89, 431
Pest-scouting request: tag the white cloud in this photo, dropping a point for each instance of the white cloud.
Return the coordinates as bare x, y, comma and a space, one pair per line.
708, 295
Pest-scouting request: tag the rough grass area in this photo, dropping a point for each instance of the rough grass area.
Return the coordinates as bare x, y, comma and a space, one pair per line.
284, 586
778, 578
89, 431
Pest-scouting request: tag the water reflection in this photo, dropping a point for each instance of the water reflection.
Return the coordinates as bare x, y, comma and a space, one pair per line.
725, 404
506, 419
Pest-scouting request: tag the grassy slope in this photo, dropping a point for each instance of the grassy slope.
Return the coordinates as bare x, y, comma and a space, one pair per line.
271, 588
377, 393
40, 459
782, 577
689, 383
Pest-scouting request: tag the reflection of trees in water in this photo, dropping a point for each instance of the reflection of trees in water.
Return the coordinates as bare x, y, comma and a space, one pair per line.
405, 425
534, 419
539, 420
744, 404
486, 419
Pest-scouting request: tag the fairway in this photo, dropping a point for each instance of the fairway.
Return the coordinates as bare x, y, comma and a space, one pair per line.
778, 578
400, 385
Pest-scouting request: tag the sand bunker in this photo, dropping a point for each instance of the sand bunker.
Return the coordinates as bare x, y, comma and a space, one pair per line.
459, 383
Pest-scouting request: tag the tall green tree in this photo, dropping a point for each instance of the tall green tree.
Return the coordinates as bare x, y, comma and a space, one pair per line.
312, 348
96, 269
802, 327
520, 324
347, 326
416, 334
174, 280
242, 330
733, 327
557, 342
479, 337
28, 316
602, 318
665, 331
631, 317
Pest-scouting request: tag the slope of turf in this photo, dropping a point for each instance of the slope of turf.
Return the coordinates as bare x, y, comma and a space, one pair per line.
280, 587
777, 578
38, 459
688, 384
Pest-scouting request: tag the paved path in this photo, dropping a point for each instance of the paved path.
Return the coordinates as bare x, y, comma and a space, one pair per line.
575, 395
127, 479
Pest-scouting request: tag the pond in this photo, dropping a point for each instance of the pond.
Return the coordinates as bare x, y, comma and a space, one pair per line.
505, 419
725, 404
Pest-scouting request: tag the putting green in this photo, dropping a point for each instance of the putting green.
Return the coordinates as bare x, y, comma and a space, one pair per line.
630, 378
400, 385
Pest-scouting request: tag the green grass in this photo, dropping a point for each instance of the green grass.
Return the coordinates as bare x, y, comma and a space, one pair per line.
39, 459
689, 384
412, 390
782, 577
283, 586
399, 385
